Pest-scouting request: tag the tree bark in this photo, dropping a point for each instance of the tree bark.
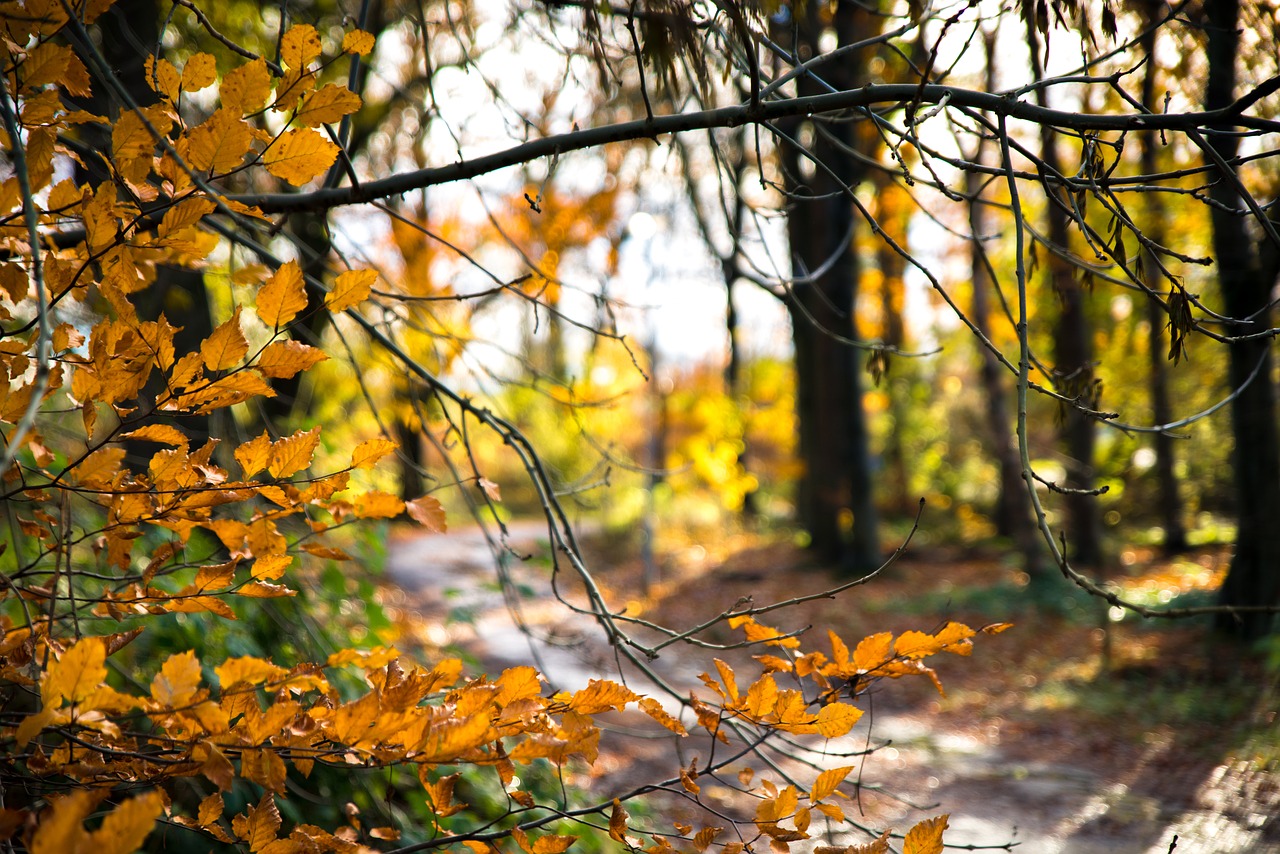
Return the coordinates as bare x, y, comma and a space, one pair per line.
1254, 576
1073, 358
833, 437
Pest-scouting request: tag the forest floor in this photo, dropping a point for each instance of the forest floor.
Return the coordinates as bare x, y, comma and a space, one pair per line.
1068, 733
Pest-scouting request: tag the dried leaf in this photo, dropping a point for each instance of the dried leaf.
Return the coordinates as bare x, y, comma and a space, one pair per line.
428, 512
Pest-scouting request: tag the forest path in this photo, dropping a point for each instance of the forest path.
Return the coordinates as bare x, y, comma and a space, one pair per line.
1003, 776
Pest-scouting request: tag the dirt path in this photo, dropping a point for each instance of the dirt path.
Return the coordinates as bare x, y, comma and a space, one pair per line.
1001, 778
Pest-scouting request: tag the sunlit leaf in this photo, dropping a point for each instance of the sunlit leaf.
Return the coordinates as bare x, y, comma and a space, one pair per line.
428, 512
925, 837
282, 297
350, 288
300, 155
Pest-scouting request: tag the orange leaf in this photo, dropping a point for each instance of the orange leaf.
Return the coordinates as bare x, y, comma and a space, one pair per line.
429, 513
299, 46
211, 809
872, 651
199, 72
368, 452
828, 781
220, 142
326, 105
162, 433
253, 454
350, 288
836, 719
761, 697
77, 675
654, 709
358, 42
258, 827
262, 590
293, 453
226, 347
61, 829
925, 837
285, 359
601, 695
245, 89
177, 682
127, 826
299, 156
378, 505
283, 296
247, 669
618, 822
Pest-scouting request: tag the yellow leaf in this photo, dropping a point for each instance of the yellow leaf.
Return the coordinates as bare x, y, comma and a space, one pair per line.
552, 844
200, 71
429, 513
61, 828
164, 78
219, 144
282, 297
184, 214
872, 651
827, 782
300, 45
876, 846
162, 433
77, 675
761, 697
832, 812
177, 682
293, 453
211, 809
44, 64
226, 347
727, 677
245, 89
253, 455
270, 567
327, 105
836, 719
368, 452
247, 669
517, 683
258, 827
127, 826
378, 505
215, 577
601, 695
285, 359
350, 288
262, 590
654, 709
299, 156
925, 837
358, 42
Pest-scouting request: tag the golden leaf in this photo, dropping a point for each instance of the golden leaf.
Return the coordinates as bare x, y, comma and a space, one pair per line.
299, 156
61, 829
282, 297
178, 679
162, 433
827, 782
326, 105
293, 453
601, 695
219, 144
761, 697
184, 214
211, 809
872, 651
247, 670
358, 42
253, 454
350, 288
836, 719
368, 452
299, 46
705, 837
653, 709
200, 71
258, 827
226, 347
285, 359
245, 89
428, 512
262, 590
926, 837
44, 64
378, 505
163, 77
552, 844
270, 567
77, 674
727, 677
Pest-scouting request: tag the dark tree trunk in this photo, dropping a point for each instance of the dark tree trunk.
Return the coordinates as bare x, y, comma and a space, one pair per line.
1254, 576
833, 437
1168, 500
1073, 359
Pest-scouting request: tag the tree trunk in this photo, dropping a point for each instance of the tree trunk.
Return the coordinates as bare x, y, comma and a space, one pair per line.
1254, 576
1168, 501
1073, 358
836, 483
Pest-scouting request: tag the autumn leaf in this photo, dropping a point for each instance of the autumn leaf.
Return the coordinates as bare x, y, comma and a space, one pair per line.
299, 46
601, 695
377, 505
282, 297
653, 709
926, 837
326, 105
358, 42
292, 454
199, 72
300, 155
490, 489
162, 433
428, 512
827, 782
618, 822
350, 288
219, 144
368, 452
177, 681
285, 359
77, 674
836, 719
254, 454
245, 89
226, 347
